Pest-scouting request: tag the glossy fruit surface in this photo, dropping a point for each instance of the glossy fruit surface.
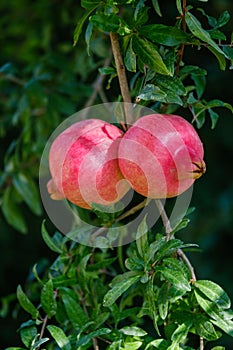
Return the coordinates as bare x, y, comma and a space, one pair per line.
161, 155
84, 166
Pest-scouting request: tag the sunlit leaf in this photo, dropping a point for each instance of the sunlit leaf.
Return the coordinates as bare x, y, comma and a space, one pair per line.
214, 292
60, 337
48, 301
127, 280
149, 55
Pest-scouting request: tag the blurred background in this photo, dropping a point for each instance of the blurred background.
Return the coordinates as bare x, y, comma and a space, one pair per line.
43, 80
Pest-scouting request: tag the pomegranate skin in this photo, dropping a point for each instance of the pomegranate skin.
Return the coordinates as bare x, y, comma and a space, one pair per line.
161, 155
84, 166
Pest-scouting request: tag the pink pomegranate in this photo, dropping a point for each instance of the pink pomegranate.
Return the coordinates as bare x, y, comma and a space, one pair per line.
84, 166
161, 155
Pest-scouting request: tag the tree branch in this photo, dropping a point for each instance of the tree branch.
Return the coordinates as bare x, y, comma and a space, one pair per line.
120, 67
97, 85
166, 222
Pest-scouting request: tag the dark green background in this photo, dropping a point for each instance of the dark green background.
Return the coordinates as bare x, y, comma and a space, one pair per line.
39, 34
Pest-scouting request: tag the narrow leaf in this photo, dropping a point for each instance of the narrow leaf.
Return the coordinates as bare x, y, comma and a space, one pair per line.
12, 212
79, 26
74, 311
160, 344
181, 332
27, 335
196, 29
26, 304
157, 7
60, 337
130, 58
119, 288
214, 118
87, 338
28, 190
141, 237
133, 331
149, 55
48, 301
214, 292
164, 35
49, 241
89, 4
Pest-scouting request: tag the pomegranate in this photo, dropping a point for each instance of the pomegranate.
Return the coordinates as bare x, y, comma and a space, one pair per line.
161, 155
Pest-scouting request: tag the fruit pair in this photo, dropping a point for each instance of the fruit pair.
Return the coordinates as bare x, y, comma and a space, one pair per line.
159, 156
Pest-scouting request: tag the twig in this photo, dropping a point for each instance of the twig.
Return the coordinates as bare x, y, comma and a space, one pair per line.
133, 210
119, 218
97, 85
45, 320
120, 67
166, 222
181, 51
201, 343
168, 230
13, 79
188, 263
95, 344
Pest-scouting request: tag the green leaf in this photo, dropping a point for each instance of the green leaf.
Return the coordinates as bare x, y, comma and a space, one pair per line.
49, 241
214, 118
87, 338
214, 292
141, 237
170, 247
12, 212
90, 4
218, 348
223, 19
60, 337
149, 55
181, 332
174, 272
179, 6
220, 57
74, 311
157, 7
79, 26
28, 190
196, 29
200, 83
38, 343
132, 345
48, 301
133, 331
15, 348
209, 307
160, 344
126, 281
110, 23
173, 84
26, 304
152, 93
88, 35
27, 335
204, 328
163, 301
164, 35
130, 58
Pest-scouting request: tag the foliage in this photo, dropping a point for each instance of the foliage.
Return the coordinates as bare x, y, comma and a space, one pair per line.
144, 295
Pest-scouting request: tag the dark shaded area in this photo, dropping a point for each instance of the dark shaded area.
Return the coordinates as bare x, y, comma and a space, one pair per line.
39, 34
